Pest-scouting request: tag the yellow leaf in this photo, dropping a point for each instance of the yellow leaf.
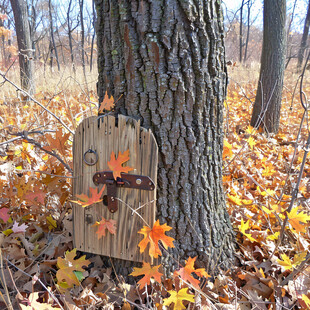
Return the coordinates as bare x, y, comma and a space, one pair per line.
251, 142
296, 218
306, 300
285, 262
275, 236
227, 149
177, 297
297, 260
51, 222
245, 226
249, 129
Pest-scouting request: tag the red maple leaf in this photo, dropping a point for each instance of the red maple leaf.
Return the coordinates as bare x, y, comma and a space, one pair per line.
153, 236
94, 197
103, 225
116, 164
186, 272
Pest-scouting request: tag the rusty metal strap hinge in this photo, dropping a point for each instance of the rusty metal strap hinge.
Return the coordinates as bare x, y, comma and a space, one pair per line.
126, 181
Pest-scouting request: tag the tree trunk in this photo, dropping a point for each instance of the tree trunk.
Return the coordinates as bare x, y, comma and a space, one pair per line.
22, 28
241, 32
53, 44
304, 38
165, 62
70, 36
93, 38
248, 31
81, 3
266, 110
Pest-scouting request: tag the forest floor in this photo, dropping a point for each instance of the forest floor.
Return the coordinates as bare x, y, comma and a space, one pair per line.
259, 174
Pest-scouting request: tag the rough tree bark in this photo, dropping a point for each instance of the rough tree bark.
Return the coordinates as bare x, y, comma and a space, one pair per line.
165, 60
266, 110
304, 38
24, 43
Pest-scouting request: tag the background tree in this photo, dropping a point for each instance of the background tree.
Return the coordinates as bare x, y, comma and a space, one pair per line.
266, 110
304, 38
25, 50
166, 63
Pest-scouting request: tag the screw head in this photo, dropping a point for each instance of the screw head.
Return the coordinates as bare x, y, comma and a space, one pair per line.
138, 181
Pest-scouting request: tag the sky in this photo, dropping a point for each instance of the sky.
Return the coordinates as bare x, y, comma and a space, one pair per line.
257, 11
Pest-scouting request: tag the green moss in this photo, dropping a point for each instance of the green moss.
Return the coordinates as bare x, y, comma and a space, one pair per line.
114, 52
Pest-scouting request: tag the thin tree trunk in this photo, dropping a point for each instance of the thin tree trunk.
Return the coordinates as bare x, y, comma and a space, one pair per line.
266, 111
248, 31
81, 2
22, 28
165, 61
304, 38
70, 37
93, 38
241, 32
52, 36
289, 37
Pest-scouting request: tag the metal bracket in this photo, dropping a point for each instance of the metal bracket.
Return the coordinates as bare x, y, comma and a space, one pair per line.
126, 181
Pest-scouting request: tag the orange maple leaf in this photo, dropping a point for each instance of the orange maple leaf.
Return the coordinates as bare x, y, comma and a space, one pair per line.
103, 225
68, 265
116, 164
153, 236
94, 197
186, 272
107, 104
296, 218
149, 272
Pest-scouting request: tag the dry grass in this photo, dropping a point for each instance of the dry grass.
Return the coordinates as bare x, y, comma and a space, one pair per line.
54, 81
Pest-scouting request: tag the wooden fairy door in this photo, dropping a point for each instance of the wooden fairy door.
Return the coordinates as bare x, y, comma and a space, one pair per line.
133, 205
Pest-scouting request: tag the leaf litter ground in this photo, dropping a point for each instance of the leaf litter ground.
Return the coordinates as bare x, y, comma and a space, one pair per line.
258, 176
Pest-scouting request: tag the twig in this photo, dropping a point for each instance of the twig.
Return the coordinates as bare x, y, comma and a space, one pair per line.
2, 278
306, 151
296, 271
37, 144
27, 274
37, 102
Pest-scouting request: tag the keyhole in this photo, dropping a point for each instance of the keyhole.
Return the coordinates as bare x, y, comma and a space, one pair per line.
105, 200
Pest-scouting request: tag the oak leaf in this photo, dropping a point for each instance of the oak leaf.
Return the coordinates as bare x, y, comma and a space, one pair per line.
94, 197
149, 272
287, 264
107, 104
245, 226
58, 143
295, 219
153, 236
251, 142
186, 272
103, 225
4, 214
178, 297
68, 266
34, 304
19, 229
306, 299
116, 164
36, 197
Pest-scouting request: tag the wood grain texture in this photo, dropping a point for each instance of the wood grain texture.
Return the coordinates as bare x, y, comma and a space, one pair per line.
104, 136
